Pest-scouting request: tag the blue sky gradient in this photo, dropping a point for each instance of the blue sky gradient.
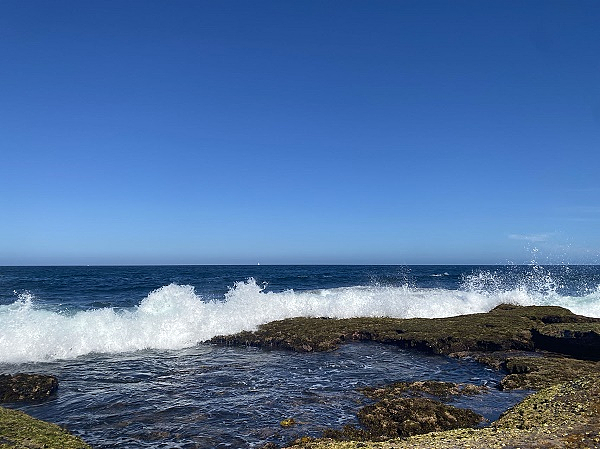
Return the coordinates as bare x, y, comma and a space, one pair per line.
165, 132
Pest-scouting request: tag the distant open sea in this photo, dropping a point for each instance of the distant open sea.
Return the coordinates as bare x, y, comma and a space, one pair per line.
127, 343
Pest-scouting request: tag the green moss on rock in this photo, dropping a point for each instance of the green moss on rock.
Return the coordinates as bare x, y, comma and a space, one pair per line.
20, 431
431, 388
504, 328
534, 372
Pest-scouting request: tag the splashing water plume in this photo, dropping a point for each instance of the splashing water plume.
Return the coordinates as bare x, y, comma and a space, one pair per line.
175, 316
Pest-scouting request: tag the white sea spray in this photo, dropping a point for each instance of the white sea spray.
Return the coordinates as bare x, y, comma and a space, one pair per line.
175, 316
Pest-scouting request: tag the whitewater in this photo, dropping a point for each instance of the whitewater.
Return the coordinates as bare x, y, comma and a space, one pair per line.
176, 316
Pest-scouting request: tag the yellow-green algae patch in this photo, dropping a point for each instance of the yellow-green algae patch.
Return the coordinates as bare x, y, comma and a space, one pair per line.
19, 430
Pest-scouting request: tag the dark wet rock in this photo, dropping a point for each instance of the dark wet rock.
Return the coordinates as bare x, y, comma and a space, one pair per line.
581, 340
504, 328
27, 387
403, 417
407, 408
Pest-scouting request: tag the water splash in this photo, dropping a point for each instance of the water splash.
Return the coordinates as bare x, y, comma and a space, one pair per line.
175, 316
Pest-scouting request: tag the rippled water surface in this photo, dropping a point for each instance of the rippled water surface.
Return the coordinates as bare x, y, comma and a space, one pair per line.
212, 396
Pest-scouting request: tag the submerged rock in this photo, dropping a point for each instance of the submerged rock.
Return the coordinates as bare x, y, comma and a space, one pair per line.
27, 387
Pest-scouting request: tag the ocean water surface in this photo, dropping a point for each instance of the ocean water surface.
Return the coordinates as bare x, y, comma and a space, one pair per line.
128, 343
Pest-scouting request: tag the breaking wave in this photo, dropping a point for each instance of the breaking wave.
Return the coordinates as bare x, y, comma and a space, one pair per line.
175, 316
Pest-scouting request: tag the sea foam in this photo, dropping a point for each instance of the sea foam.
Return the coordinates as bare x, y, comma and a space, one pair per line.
175, 316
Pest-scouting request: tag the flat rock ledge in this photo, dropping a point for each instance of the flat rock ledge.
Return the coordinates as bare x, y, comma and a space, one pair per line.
506, 327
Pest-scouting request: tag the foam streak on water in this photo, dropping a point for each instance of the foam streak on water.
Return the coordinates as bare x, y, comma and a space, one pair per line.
175, 316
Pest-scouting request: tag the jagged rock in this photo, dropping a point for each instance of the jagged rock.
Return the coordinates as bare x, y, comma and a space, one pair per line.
27, 387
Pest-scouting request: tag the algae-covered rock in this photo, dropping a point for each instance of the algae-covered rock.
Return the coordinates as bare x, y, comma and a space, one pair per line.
431, 388
534, 372
403, 417
407, 408
575, 403
288, 422
565, 416
21, 431
27, 387
504, 328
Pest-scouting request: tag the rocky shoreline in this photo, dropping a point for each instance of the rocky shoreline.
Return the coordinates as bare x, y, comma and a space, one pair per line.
548, 349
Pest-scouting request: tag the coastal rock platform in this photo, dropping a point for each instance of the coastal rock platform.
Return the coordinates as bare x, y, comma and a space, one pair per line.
506, 327
549, 349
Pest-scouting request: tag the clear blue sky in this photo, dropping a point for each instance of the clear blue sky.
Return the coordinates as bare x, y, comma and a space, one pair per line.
299, 131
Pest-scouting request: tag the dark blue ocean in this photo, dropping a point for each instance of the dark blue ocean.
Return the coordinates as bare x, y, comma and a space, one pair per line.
128, 344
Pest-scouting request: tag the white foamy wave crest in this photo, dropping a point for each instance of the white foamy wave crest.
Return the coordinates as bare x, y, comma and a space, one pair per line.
536, 287
175, 317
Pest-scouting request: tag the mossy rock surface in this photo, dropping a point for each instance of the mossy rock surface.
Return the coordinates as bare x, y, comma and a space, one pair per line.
534, 373
425, 388
20, 431
504, 328
403, 417
407, 408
